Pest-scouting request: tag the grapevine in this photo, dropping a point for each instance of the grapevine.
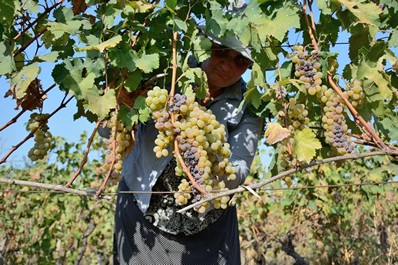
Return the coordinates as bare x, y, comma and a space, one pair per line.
201, 141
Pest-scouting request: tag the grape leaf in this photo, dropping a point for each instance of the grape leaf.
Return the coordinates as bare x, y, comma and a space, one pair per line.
367, 13
284, 20
7, 64
7, 8
59, 29
112, 42
375, 75
305, 145
276, 133
100, 105
147, 62
253, 96
23, 79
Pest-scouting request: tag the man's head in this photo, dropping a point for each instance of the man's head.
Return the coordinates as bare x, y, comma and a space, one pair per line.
228, 61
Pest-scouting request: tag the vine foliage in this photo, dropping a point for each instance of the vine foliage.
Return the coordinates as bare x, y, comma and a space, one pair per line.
107, 55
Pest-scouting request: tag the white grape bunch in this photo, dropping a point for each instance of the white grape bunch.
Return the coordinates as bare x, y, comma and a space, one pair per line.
42, 136
354, 93
201, 141
296, 119
119, 141
334, 122
308, 68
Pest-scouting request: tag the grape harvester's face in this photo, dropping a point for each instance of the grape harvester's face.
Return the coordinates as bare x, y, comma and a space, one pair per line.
224, 67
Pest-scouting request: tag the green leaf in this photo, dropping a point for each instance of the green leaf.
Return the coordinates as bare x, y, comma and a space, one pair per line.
394, 38
49, 57
140, 6
128, 116
7, 64
305, 145
143, 110
283, 20
132, 81
366, 12
201, 48
23, 79
59, 29
7, 10
112, 42
147, 62
171, 4
253, 96
100, 105
181, 25
375, 74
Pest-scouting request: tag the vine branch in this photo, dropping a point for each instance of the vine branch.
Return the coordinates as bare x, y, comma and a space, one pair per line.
46, 11
84, 160
54, 187
287, 173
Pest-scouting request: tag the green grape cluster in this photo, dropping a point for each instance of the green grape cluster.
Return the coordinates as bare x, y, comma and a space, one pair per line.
286, 160
354, 92
43, 138
201, 142
296, 116
119, 141
334, 122
295, 119
308, 68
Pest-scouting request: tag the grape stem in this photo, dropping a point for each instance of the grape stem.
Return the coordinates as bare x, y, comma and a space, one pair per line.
86, 151
173, 118
286, 173
311, 26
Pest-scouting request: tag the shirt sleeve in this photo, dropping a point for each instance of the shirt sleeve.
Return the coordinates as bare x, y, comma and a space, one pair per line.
243, 140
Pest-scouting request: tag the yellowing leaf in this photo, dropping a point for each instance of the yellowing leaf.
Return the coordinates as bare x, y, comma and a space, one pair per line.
305, 145
276, 133
112, 42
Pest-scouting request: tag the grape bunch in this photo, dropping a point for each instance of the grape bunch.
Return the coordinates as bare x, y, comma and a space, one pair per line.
334, 122
43, 137
295, 119
354, 92
120, 139
201, 142
296, 116
308, 68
